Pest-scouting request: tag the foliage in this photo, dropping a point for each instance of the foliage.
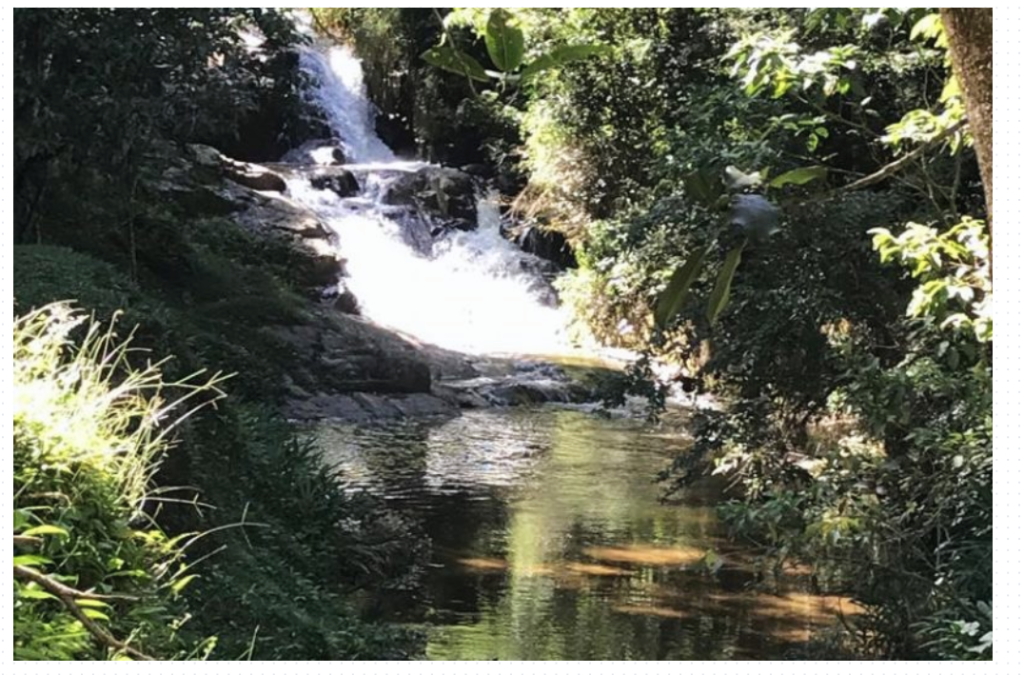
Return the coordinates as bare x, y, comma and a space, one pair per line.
506, 44
199, 287
94, 576
96, 90
279, 587
854, 397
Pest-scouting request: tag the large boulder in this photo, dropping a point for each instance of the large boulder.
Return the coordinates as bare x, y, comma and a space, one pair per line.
444, 192
208, 164
343, 354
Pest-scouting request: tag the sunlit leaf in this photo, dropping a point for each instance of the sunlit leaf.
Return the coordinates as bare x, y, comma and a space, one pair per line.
179, 585
44, 530
738, 180
90, 602
559, 56
801, 176
33, 593
671, 300
95, 614
455, 61
505, 42
31, 560
723, 284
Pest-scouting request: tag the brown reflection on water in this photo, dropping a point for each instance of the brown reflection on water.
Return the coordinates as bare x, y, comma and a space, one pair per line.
550, 542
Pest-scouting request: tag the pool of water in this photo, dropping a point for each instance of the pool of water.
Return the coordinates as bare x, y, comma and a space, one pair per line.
550, 541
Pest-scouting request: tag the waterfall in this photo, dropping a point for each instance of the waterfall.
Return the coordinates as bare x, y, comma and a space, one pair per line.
471, 290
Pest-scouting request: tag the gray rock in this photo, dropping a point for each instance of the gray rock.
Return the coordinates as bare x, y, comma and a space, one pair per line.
340, 181
255, 176
442, 191
346, 302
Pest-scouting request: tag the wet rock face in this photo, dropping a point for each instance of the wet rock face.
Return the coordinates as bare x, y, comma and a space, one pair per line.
338, 180
447, 194
547, 244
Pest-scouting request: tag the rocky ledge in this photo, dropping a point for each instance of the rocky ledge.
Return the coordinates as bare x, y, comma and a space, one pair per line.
341, 365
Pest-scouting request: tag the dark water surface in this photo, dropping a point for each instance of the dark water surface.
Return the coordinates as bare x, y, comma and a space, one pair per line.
550, 541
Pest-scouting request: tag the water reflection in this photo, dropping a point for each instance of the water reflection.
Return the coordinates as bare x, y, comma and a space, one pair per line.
550, 542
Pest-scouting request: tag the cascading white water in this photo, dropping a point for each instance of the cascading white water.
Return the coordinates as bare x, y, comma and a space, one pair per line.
471, 291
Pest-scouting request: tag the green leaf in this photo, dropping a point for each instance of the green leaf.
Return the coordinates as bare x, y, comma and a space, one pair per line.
31, 560
179, 585
505, 43
95, 614
801, 176
33, 593
455, 61
703, 187
559, 56
89, 602
723, 284
672, 298
45, 529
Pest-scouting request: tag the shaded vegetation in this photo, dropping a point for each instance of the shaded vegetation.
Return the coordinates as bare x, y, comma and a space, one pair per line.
107, 102
857, 395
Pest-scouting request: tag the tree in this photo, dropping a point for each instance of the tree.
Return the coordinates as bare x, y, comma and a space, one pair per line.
970, 42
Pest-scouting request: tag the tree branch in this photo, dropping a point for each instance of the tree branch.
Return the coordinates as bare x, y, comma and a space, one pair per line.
894, 167
68, 595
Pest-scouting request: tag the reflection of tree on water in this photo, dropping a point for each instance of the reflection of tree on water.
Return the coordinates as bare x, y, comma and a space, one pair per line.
550, 542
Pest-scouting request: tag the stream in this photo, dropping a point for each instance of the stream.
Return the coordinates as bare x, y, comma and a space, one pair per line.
550, 539
550, 542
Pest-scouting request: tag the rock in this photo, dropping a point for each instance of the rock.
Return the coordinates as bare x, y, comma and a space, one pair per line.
418, 405
478, 170
345, 354
443, 191
319, 152
346, 302
327, 406
263, 213
205, 156
323, 270
255, 176
547, 244
340, 181
363, 407
396, 131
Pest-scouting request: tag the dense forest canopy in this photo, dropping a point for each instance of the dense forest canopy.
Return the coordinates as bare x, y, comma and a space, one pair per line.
789, 209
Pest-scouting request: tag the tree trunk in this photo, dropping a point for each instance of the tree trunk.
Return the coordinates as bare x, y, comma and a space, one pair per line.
970, 43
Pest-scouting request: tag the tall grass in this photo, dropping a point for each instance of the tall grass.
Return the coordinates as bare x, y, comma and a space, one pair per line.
94, 576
